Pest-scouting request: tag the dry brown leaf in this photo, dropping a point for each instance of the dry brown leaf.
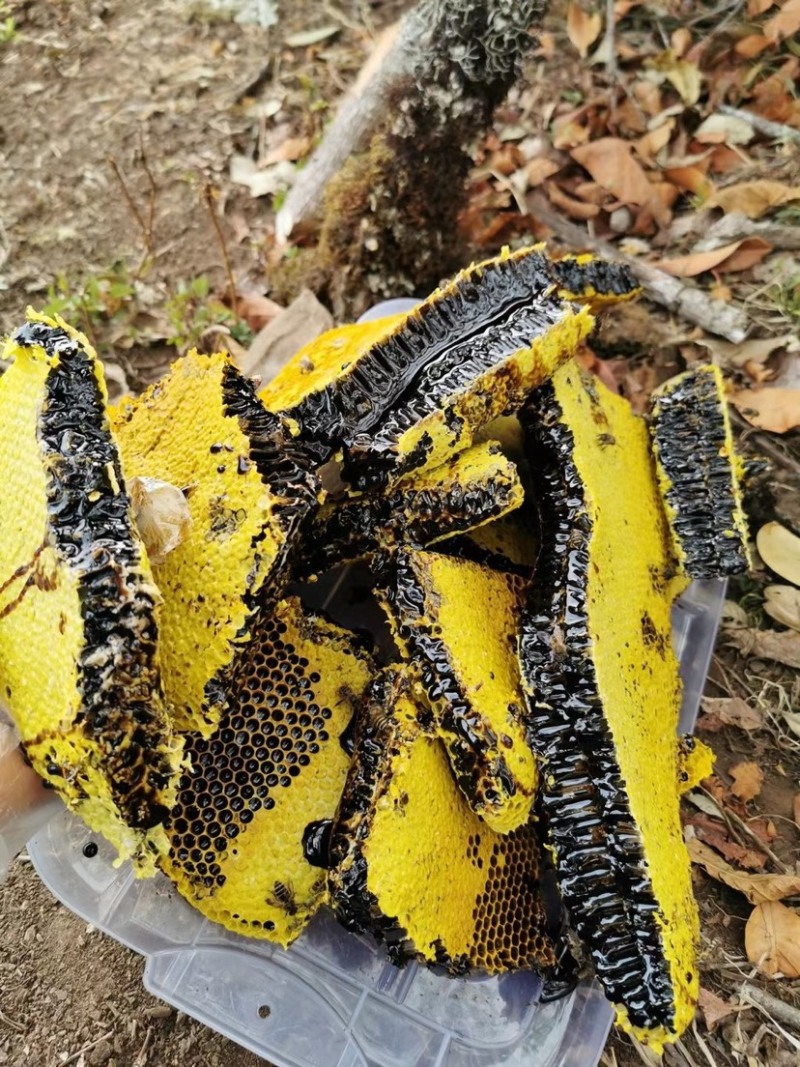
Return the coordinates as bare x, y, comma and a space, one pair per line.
714, 1009
540, 169
785, 23
777, 410
796, 808
752, 45
782, 603
576, 209
758, 7
653, 141
754, 198
610, 163
680, 40
733, 711
772, 940
780, 550
591, 362
731, 850
648, 95
747, 780
724, 129
297, 325
256, 310
739, 255
780, 646
583, 27
691, 180
758, 888
681, 73
755, 351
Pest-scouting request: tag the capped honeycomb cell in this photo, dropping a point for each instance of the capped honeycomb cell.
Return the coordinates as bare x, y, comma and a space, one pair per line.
700, 474
411, 390
604, 699
274, 764
470, 489
79, 667
455, 622
413, 864
248, 492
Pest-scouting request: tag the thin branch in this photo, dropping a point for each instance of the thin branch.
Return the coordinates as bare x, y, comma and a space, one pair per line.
777, 1008
763, 443
777, 130
730, 816
691, 303
208, 197
151, 199
87, 1048
612, 69
128, 198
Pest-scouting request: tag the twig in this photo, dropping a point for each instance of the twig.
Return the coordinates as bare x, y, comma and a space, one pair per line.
702, 1045
87, 1048
763, 443
692, 304
208, 196
786, 1013
728, 813
611, 48
129, 199
151, 199
777, 130
12, 1024
141, 1055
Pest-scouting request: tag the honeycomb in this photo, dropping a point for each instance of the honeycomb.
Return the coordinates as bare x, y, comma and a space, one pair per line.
604, 698
700, 474
465, 659
469, 490
274, 764
413, 863
598, 282
79, 667
248, 492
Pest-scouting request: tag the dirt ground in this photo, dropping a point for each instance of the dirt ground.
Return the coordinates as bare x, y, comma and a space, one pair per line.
102, 102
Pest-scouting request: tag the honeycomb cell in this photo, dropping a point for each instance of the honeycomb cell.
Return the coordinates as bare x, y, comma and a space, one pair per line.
700, 474
397, 869
470, 489
604, 697
256, 879
79, 665
455, 622
245, 521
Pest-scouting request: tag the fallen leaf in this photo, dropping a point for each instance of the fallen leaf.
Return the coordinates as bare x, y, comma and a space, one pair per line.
261, 182
653, 141
297, 325
648, 96
781, 646
733, 711
747, 780
777, 410
682, 74
780, 550
256, 310
714, 1009
680, 40
758, 888
728, 257
758, 7
753, 44
540, 169
782, 603
754, 198
576, 209
712, 832
754, 351
691, 180
772, 940
610, 163
796, 808
785, 23
792, 721
305, 38
724, 129
589, 361
291, 148
583, 27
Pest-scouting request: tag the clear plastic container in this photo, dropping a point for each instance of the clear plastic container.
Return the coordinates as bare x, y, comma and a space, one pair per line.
332, 1000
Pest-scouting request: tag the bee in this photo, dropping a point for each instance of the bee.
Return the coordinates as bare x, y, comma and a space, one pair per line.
282, 896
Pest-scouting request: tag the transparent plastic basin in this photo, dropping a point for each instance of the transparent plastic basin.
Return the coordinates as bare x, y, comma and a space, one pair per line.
332, 1000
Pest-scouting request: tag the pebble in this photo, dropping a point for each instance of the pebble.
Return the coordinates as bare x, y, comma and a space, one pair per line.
158, 1011
100, 1055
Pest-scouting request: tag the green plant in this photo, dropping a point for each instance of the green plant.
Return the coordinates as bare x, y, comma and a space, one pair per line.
8, 24
104, 297
191, 311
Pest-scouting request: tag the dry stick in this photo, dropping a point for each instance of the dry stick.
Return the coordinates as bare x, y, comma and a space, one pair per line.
611, 49
778, 130
142, 224
12, 1024
779, 1008
729, 815
86, 1048
151, 199
208, 196
763, 443
725, 320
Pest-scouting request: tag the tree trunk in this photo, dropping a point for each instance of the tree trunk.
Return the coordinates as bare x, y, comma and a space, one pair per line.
394, 160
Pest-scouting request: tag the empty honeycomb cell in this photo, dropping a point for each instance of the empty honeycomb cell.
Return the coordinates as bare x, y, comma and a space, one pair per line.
700, 474
245, 518
604, 698
411, 390
469, 490
456, 623
79, 666
398, 870
260, 778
